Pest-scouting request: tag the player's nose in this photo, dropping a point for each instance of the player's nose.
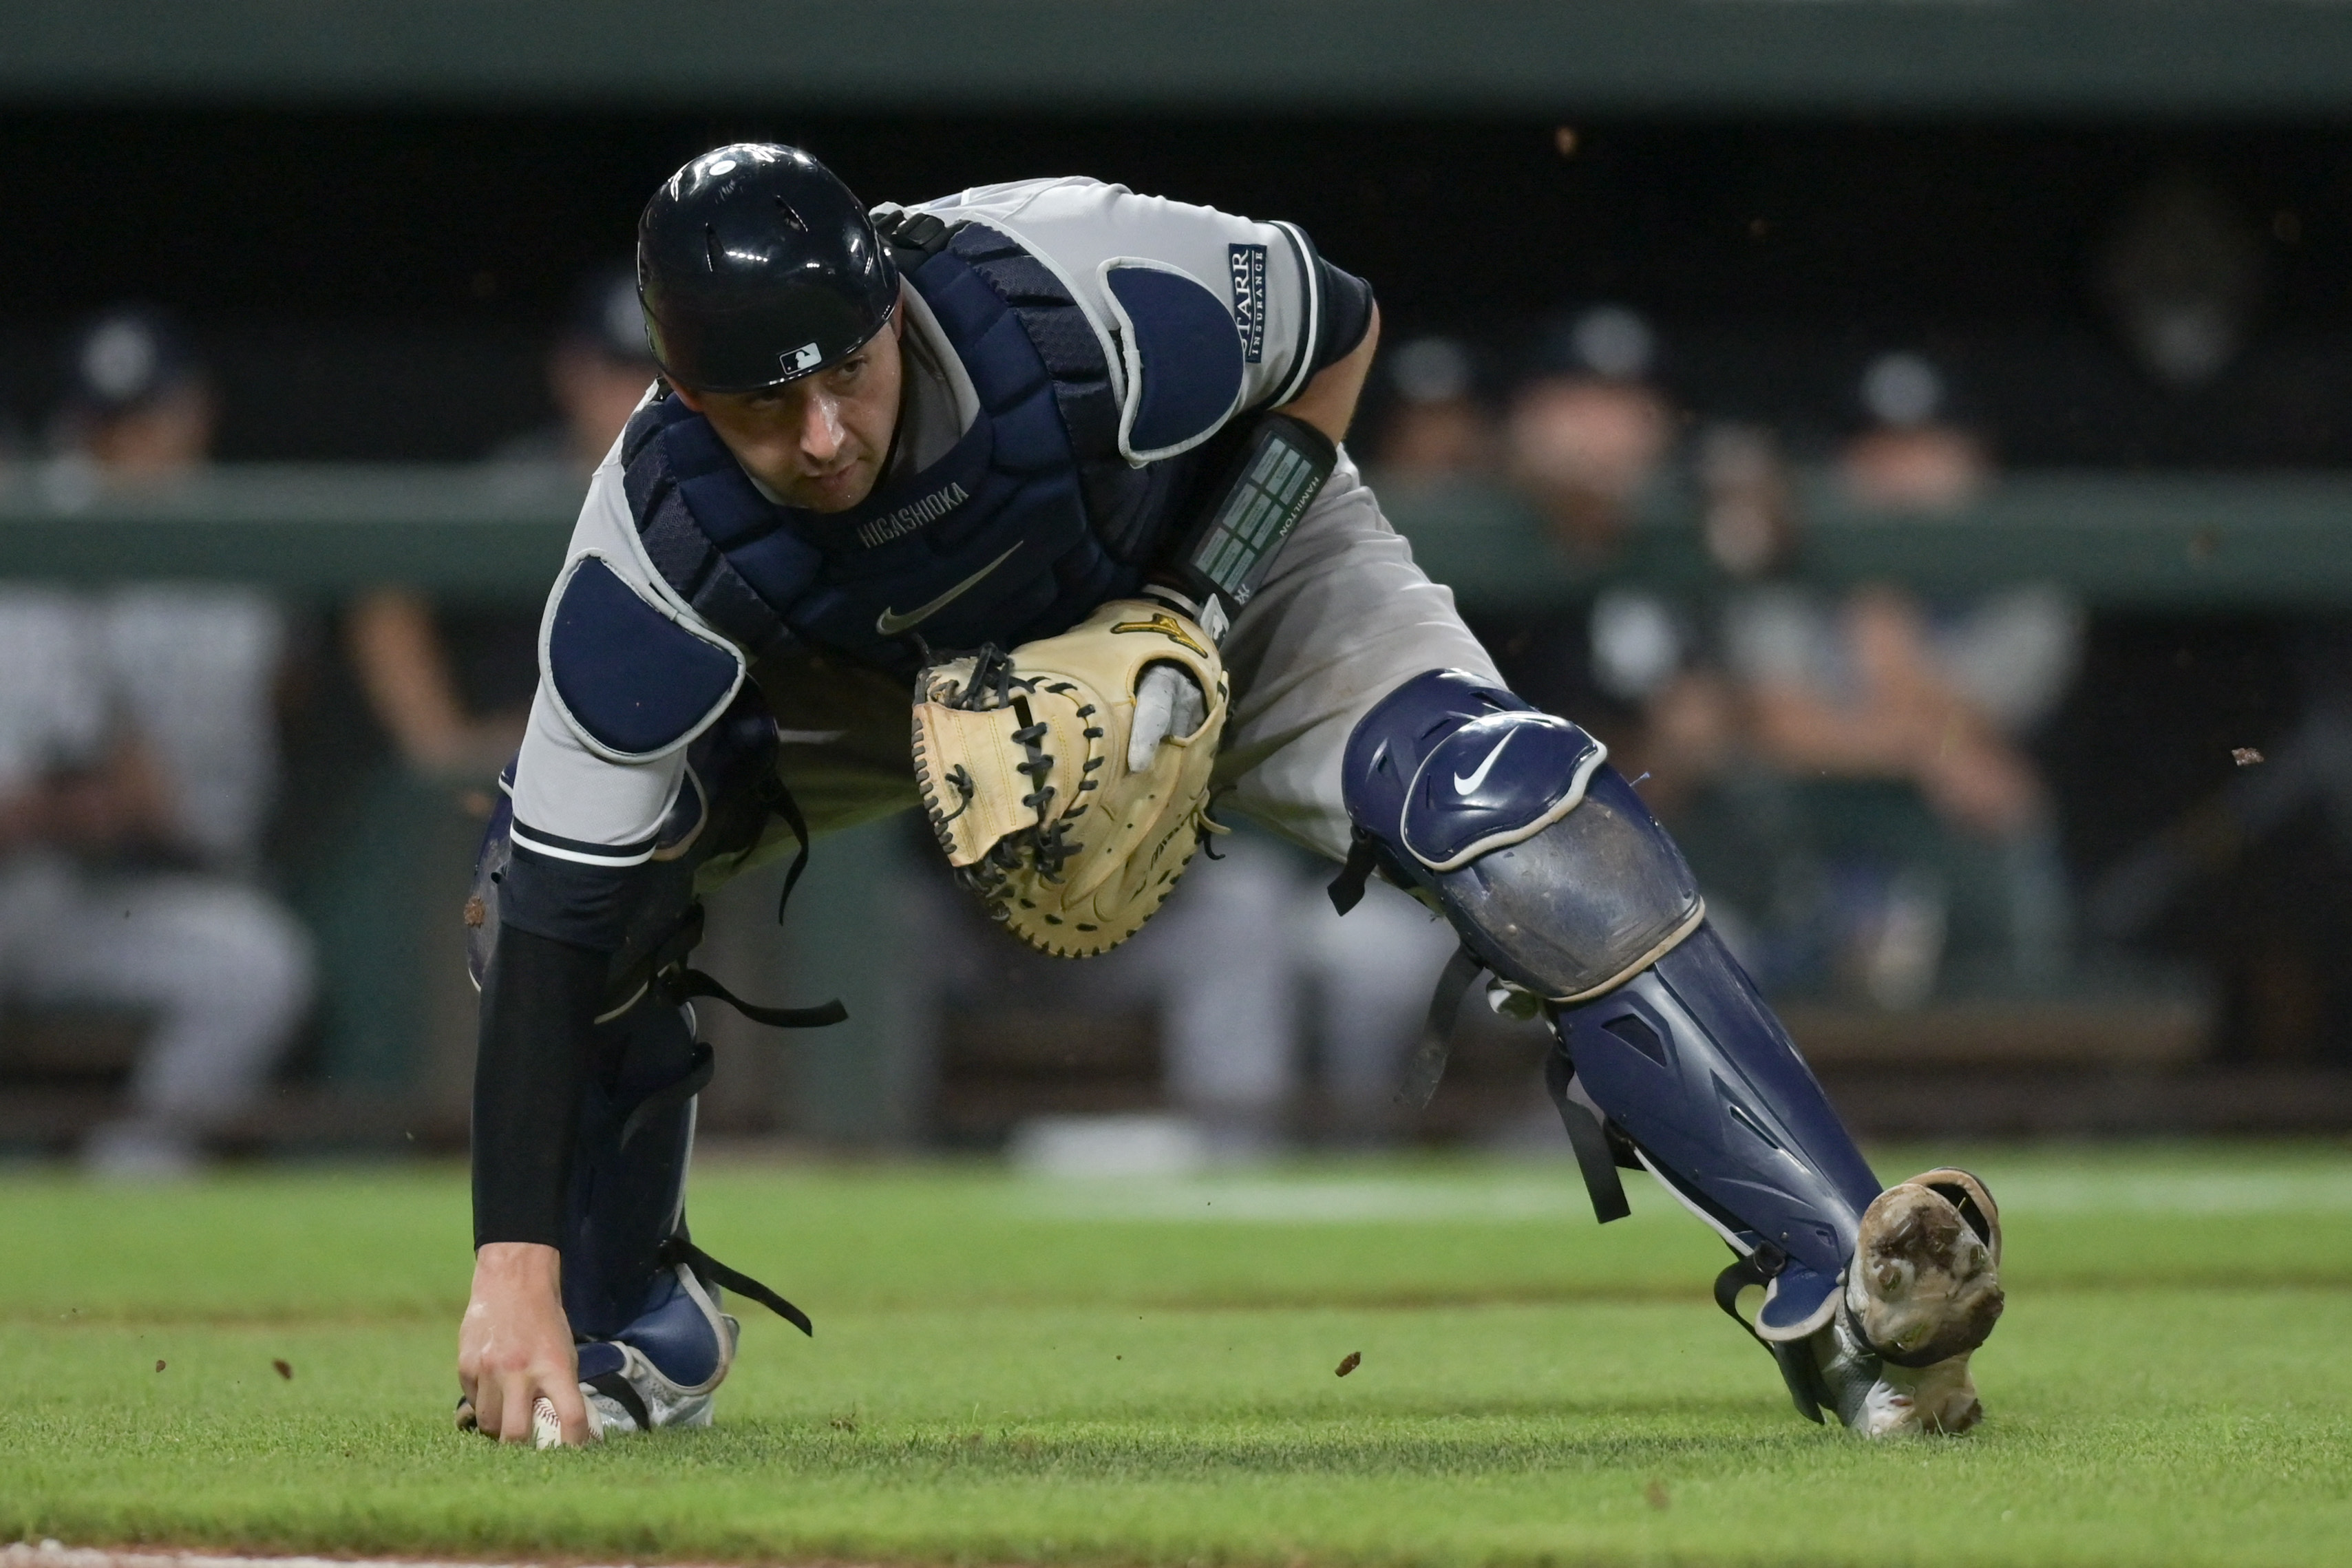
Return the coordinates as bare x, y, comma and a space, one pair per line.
822, 436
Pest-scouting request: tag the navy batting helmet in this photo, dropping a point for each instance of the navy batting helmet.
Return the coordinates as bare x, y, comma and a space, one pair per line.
756, 265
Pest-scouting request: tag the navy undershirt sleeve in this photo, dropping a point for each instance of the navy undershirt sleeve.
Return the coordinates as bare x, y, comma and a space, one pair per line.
539, 1000
567, 900
1347, 314
559, 923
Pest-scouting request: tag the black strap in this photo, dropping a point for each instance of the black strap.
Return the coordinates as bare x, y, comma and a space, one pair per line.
1427, 1064
616, 1387
1595, 1160
778, 798
1759, 1267
678, 1249
622, 990
1807, 1392
913, 237
682, 983
670, 1096
1347, 889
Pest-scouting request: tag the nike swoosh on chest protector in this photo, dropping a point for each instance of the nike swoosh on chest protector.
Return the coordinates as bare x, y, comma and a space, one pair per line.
890, 623
1469, 786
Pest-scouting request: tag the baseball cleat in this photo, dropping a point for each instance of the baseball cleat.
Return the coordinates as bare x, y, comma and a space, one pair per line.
1925, 1284
1923, 1293
661, 1370
1877, 1398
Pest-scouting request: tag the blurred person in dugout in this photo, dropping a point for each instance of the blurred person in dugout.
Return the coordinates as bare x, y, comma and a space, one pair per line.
453, 687
138, 762
1588, 440
1303, 1022
1847, 769
1433, 426
1588, 431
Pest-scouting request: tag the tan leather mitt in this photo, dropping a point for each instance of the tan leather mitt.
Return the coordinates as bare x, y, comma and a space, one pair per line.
1022, 761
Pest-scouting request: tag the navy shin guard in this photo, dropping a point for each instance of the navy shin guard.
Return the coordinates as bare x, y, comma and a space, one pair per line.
1689, 1063
643, 1300
1561, 883
628, 1172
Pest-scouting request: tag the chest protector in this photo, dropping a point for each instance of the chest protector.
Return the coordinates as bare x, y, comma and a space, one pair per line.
1027, 524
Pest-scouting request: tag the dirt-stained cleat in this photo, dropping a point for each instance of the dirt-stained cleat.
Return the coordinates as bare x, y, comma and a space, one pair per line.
1925, 1282
1923, 1293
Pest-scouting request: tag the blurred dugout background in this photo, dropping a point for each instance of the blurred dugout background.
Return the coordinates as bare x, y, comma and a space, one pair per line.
1916, 437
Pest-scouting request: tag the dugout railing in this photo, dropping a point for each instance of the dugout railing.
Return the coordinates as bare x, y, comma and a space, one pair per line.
2274, 544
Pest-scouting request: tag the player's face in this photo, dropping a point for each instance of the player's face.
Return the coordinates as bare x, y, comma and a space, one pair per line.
818, 442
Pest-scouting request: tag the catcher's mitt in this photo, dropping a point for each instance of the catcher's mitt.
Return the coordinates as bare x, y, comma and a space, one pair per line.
1022, 760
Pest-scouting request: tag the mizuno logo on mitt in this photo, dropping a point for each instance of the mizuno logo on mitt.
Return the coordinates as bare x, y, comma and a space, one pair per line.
1175, 628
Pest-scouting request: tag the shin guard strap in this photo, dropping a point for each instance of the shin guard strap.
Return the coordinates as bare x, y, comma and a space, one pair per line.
1427, 1064
670, 1096
1347, 889
617, 1388
682, 984
1759, 1268
677, 1249
1595, 1160
1794, 1357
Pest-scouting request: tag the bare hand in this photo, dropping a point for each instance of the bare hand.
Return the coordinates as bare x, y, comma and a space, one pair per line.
515, 1343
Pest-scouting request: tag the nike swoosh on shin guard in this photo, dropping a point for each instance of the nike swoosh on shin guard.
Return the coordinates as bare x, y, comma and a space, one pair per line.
1469, 786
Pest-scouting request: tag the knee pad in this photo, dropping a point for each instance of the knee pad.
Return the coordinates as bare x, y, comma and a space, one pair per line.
1512, 824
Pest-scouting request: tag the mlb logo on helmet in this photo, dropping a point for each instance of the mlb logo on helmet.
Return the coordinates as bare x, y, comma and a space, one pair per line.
801, 359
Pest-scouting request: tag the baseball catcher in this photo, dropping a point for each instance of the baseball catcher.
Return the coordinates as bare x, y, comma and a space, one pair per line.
1027, 507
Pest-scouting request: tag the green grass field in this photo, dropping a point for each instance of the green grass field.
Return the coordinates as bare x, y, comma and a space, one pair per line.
1127, 1372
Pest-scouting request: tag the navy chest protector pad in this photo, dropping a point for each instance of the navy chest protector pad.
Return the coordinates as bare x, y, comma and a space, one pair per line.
632, 681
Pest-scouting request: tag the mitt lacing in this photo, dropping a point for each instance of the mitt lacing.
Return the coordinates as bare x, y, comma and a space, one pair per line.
1047, 847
